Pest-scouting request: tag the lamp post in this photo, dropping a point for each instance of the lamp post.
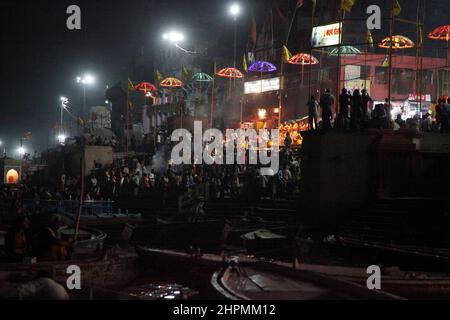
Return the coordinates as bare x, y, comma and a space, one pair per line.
176, 37
85, 81
235, 10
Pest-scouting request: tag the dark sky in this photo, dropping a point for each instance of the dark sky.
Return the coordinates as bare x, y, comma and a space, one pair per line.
40, 58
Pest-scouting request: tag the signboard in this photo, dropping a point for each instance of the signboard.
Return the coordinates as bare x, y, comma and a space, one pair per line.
416, 97
260, 86
326, 36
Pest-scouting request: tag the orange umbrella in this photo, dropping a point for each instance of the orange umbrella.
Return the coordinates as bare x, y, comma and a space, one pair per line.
171, 83
398, 42
303, 59
230, 73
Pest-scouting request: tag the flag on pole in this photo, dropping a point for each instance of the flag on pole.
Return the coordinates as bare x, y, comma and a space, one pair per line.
130, 85
244, 63
185, 73
369, 38
299, 4
158, 76
286, 54
397, 9
347, 5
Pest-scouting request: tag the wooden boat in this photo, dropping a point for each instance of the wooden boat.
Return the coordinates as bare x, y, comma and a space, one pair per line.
407, 284
207, 271
404, 256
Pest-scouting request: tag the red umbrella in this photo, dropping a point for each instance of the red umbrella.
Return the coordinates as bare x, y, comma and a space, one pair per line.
171, 83
146, 87
230, 73
440, 33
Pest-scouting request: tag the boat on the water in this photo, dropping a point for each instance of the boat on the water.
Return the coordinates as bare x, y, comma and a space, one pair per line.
266, 280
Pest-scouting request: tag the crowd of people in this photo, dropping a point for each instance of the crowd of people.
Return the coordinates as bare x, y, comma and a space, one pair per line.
356, 111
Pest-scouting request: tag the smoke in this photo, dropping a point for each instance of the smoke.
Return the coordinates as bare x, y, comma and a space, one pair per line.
160, 160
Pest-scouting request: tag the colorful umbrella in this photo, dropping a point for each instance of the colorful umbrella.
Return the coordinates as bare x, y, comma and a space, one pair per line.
303, 59
398, 42
345, 51
230, 73
146, 87
262, 66
202, 77
171, 83
440, 33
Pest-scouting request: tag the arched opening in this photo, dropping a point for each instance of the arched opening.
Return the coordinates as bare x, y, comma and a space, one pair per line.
12, 177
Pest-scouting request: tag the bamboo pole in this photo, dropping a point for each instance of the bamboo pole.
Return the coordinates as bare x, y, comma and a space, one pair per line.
80, 205
211, 120
391, 35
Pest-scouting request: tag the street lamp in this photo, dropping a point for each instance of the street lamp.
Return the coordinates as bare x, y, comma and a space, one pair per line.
235, 10
21, 151
175, 37
85, 81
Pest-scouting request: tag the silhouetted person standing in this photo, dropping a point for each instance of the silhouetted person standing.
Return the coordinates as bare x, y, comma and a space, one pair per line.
312, 113
366, 99
356, 110
326, 104
344, 107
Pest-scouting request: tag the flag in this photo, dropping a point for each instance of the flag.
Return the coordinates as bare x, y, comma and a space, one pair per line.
397, 9
369, 38
286, 54
244, 64
185, 73
299, 4
347, 5
215, 67
130, 85
26, 136
158, 76
386, 62
314, 5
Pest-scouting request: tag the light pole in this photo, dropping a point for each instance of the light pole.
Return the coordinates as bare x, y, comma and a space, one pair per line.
85, 81
175, 37
235, 10
61, 135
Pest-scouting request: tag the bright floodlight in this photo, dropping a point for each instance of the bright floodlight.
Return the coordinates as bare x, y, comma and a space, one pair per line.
235, 9
61, 138
21, 151
87, 79
173, 36
262, 113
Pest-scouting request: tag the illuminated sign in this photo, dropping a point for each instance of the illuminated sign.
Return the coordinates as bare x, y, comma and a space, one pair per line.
416, 97
325, 36
260, 86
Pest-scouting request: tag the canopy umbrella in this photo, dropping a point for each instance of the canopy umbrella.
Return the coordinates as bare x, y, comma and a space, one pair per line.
146, 87
398, 42
174, 83
441, 33
202, 77
262, 66
230, 73
303, 59
171, 83
345, 51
